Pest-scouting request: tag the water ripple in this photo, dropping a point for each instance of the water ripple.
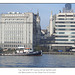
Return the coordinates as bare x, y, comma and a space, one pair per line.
47, 60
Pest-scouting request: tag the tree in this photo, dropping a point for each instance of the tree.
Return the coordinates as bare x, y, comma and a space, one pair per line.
1, 50
55, 50
43, 48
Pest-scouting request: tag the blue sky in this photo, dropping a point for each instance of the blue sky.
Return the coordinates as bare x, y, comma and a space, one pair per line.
44, 10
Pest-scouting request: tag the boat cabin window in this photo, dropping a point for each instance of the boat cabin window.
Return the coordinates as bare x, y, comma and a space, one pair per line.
20, 49
28, 49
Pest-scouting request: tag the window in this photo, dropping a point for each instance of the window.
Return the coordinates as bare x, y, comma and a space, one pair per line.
72, 32
61, 39
73, 40
67, 32
60, 25
69, 19
61, 36
61, 15
14, 45
69, 15
73, 36
64, 43
68, 22
65, 29
72, 29
61, 32
59, 22
72, 25
60, 29
10, 45
61, 19
68, 26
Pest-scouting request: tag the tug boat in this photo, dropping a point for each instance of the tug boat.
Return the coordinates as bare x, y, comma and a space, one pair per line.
25, 52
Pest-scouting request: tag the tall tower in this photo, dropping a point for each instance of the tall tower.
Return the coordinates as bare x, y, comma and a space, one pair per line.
51, 27
38, 28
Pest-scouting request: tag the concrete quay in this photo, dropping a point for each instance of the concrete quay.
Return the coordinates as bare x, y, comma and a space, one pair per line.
60, 53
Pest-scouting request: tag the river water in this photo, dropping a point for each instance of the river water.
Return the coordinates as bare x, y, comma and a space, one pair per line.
46, 61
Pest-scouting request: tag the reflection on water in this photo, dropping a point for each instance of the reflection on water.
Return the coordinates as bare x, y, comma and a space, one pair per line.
47, 60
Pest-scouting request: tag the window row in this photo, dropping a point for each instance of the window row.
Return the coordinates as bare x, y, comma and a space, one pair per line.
64, 39
66, 18
66, 15
14, 19
12, 42
64, 22
64, 29
65, 36
65, 32
64, 43
13, 46
65, 25
61, 39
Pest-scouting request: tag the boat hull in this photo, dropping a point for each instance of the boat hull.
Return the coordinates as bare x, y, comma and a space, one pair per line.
37, 53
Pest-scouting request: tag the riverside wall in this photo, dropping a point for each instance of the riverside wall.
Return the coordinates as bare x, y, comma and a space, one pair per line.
60, 53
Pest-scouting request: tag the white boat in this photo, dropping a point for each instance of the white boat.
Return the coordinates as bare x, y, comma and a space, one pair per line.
25, 52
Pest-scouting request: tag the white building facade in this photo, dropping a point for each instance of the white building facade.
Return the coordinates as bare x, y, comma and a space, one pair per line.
17, 29
64, 29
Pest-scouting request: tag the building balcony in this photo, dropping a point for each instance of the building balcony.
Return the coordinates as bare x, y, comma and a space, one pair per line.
65, 20
63, 45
